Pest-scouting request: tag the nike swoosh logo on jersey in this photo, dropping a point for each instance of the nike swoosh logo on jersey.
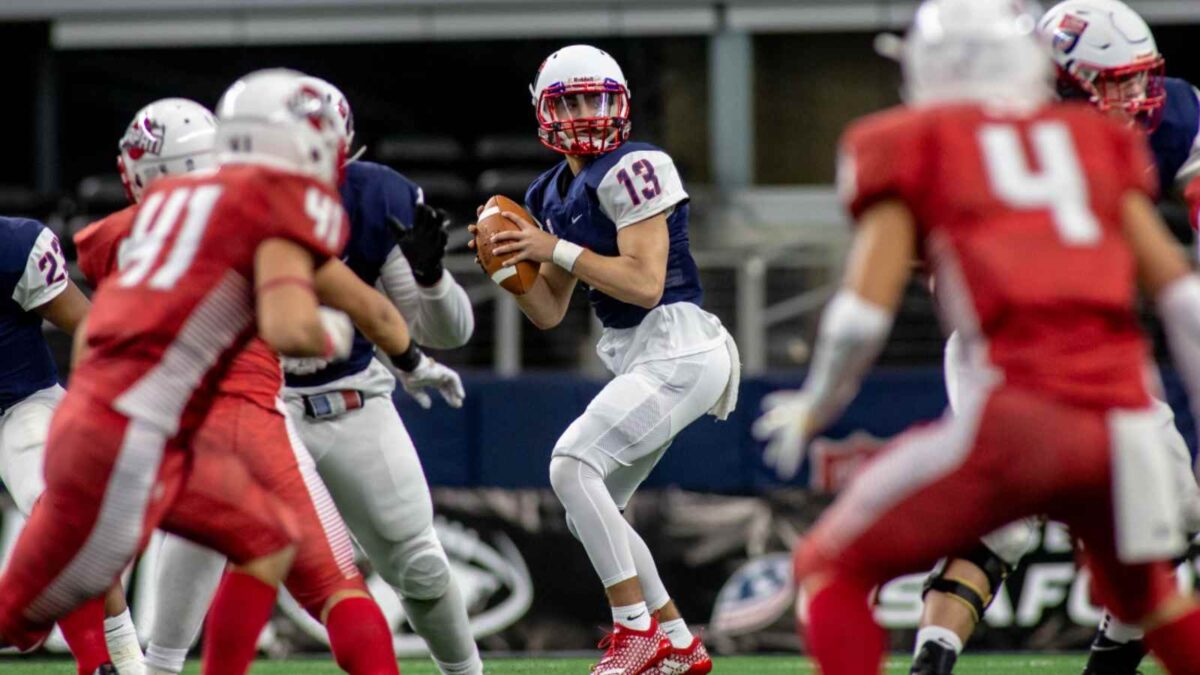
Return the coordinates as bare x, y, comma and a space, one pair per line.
576, 219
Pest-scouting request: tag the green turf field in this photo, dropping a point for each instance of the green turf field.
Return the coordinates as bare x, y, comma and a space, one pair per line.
1024, 664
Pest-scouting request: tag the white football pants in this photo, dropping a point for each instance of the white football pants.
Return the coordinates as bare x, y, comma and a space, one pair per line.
602, 458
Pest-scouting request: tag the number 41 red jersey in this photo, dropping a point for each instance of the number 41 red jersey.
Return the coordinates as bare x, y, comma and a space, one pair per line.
165, 327
1019, 217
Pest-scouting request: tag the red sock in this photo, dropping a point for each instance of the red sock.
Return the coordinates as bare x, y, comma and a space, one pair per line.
239, 611
842, 634
360, 638
1177, 644
84, 632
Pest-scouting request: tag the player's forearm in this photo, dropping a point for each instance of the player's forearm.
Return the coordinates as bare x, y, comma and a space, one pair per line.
79, 348
373, 314
852, 333
445, 319
632, 280
542, 304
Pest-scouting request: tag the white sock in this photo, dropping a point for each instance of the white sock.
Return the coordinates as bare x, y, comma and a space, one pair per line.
942, 636
677, 630
1121, 632
123, 647
164, 659
636, 616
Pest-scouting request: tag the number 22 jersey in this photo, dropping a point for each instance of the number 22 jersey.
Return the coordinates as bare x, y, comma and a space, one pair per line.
165, 328
1019, 217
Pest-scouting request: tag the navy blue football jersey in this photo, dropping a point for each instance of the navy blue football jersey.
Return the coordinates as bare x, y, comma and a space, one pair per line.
628, 185
370, 193
32, 272
1174, 142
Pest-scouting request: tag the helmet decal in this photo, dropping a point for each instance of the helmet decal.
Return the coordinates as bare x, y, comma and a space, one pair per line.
1066, 36
307, 103
143, 136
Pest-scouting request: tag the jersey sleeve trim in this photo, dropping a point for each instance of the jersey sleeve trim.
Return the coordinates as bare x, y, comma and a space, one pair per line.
642, 184
45, 275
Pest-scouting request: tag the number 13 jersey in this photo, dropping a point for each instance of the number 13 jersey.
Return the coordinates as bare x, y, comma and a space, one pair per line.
628, 185
166, 326
1019, 218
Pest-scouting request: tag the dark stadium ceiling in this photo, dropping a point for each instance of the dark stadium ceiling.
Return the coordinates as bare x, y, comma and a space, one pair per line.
145, 23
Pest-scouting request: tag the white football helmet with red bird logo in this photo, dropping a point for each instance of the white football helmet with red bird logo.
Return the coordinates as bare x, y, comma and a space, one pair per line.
275, 118
169, 137
582, 101
1107, 55
341, 105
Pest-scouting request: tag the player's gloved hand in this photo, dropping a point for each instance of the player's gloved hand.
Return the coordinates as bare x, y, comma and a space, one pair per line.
423, 244
307, 365
418, 372
339, 333
785, 426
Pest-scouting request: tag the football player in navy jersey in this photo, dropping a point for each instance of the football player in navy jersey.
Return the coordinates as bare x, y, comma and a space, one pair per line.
345, 416
1106, 55
614, 216
37, 288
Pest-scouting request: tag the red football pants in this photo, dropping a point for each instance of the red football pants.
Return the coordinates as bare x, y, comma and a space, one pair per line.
110, 481
937, 489
272, 451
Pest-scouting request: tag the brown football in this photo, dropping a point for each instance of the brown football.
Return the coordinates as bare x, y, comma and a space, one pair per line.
519, 278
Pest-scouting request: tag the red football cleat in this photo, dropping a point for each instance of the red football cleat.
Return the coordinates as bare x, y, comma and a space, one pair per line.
631, 652
691, 660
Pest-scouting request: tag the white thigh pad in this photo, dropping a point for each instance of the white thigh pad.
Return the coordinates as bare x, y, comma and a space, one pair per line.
23, 432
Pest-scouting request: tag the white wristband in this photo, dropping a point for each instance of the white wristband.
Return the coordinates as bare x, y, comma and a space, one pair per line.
565, 254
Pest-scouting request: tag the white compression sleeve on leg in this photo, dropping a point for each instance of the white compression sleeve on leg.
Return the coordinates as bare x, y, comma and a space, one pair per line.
852, 333
598, 521
653, 589
188, 576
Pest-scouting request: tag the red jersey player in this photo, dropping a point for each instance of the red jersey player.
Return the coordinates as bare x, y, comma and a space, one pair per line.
1037, 222
210, 255
246, 419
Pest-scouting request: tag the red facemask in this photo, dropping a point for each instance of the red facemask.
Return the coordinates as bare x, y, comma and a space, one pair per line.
1137, 91
589, 118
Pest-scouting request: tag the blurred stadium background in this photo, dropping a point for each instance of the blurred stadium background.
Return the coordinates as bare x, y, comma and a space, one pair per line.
748, 96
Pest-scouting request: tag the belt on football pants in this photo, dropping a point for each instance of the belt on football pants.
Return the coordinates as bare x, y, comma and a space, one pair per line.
332, 403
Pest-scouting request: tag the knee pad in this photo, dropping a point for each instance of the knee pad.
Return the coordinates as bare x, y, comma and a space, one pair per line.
418, 567
977, 599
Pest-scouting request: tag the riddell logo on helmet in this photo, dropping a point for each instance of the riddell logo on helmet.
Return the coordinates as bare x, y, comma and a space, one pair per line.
144, 136
1067, 35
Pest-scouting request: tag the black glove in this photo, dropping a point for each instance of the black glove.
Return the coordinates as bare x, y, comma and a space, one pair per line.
423, 244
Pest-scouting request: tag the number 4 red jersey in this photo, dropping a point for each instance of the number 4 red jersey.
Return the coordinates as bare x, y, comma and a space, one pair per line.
167, 325
1019, 217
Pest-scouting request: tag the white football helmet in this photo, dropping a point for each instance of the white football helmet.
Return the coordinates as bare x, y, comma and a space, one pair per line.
1106, 54
341, 105
169, 137
582, 101
274, 118
976, 50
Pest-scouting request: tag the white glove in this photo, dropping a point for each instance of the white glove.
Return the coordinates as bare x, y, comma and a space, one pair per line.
430, 374
303, 365
340, 331
785, 426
